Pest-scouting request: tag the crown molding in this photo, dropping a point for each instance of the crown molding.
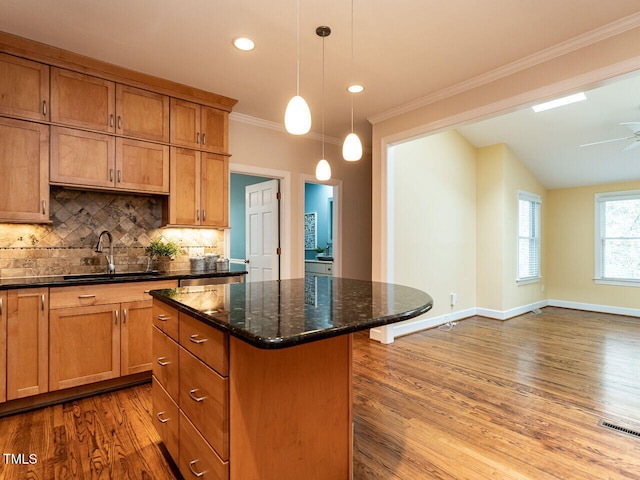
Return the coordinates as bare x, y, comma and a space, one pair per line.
279, 127
594, 36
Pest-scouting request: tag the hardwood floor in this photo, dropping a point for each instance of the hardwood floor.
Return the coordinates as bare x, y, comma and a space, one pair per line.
502, 400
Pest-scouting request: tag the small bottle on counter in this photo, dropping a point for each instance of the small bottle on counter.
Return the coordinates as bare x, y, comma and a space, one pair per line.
222, 264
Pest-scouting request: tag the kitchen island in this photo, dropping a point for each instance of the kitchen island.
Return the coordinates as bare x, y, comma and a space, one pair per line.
253, 380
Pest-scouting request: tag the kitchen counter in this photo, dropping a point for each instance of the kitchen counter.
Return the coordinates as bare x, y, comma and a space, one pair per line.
94, 278
279, 314
260, 374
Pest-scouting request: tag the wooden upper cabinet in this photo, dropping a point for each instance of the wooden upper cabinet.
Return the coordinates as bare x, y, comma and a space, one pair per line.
24, 88
142, 114
199, 127
24, 171
142, 166
82, 101
184, 199
27, 342
185, 123
3, 347
215, 130
215, 190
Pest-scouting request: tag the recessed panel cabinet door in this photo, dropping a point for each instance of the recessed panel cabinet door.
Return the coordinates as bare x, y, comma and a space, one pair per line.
185, 123
135, 337
215, 190
215, 130
184, 200
82, 101
24, 88
142, 166
142, 114
24, 171
3, 347
82, 158
27, 342
85, 345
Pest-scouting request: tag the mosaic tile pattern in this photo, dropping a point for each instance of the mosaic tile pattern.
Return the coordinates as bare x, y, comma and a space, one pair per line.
67, 245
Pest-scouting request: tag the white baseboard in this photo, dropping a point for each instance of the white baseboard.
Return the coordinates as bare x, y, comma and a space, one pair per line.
387, 333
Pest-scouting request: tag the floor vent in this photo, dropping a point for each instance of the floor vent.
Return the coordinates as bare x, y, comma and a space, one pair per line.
620, 429
536, 311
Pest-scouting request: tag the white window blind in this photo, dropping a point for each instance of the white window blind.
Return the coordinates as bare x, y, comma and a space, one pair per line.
618, 236
528, 236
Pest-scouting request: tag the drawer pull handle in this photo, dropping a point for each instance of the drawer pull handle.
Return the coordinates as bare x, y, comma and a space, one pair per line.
163, 318
163, 362
119, 122
44, 107
194, 338
162, 420
197, 474
111, 120
193, 397
87, 296
42, 304
0, 305
117, 316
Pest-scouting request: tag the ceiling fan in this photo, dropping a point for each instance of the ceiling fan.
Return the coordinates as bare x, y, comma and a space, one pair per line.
634, 127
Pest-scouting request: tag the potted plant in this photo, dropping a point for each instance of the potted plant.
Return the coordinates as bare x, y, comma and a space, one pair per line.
163, 251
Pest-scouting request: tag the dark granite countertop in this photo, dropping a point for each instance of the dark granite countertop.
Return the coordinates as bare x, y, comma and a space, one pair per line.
94, 278
279, 314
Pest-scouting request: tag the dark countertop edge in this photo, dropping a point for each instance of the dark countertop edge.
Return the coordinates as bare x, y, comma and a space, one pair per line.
59, 281
278, 343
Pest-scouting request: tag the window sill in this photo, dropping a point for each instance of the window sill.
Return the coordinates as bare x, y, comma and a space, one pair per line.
527, 281
617, 282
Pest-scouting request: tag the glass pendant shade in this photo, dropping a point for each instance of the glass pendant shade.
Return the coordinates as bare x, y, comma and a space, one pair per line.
323, 170
352, 148
297, 116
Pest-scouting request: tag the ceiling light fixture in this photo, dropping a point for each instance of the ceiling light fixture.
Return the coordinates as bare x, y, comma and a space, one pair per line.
297, 116
355, 88
559, 102
352, 146
323, 169
243, 43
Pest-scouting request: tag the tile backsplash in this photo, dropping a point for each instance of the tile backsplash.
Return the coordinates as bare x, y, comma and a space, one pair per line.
67, 245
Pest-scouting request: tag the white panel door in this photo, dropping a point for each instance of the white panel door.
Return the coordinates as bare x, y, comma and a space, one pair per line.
261, 213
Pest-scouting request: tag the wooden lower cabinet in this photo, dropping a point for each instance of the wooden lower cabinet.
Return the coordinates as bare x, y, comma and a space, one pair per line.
135, 337
197, 458
166, 418
3, 347
27, 342
85, 345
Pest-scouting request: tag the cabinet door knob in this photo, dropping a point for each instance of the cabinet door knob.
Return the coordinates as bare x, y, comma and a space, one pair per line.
119, 176
44, 207
204, 138
198, 137
119, 122
162, 420
204, 215
124, 316
44, 107
111, 174
162, 361
111, 120
197, 474
198, 215
42, 301
193, 396
117, 316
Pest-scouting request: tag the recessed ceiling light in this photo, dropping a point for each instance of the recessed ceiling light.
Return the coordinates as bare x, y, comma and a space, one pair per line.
559, 102
355, 88
243, 43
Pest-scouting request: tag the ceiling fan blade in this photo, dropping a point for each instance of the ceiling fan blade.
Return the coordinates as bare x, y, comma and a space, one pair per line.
631, 146
633, 126
607, 141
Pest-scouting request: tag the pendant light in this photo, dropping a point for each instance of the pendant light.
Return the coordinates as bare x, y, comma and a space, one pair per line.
323, 169
297, 116
352, 147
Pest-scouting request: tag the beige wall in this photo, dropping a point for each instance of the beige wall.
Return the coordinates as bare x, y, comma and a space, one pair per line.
434, 227
616, 54
571, 258
264, 147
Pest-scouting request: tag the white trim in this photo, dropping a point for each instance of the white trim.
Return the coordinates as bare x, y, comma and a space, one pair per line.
590, 307
537, 214
337, 219
285, 208
527, 281
617, 282
417, 324
529, 197
581, 41
512, 312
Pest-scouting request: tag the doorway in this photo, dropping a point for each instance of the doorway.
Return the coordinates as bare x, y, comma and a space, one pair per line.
254, 238
320, 229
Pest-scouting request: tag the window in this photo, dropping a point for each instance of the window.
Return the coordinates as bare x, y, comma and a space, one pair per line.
528, 237
618, 237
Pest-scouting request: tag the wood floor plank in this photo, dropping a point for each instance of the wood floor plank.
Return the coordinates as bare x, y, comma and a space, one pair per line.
514, 400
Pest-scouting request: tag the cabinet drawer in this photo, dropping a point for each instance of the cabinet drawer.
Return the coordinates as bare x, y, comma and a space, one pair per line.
197, 457
205, 342
104, 293
204, 398
165, 418
165, 318
165, 362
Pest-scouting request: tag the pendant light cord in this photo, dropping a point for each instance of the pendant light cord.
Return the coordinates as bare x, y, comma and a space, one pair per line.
323, 97
298, 51
352, 68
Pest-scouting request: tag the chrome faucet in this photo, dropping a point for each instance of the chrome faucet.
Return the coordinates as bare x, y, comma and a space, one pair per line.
111, 267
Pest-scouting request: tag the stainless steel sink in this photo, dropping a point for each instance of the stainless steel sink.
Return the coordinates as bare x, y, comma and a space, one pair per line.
106, 276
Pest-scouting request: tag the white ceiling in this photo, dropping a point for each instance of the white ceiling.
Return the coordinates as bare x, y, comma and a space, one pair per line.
404, 51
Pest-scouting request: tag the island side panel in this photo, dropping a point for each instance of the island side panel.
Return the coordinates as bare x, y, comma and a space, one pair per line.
291, 411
